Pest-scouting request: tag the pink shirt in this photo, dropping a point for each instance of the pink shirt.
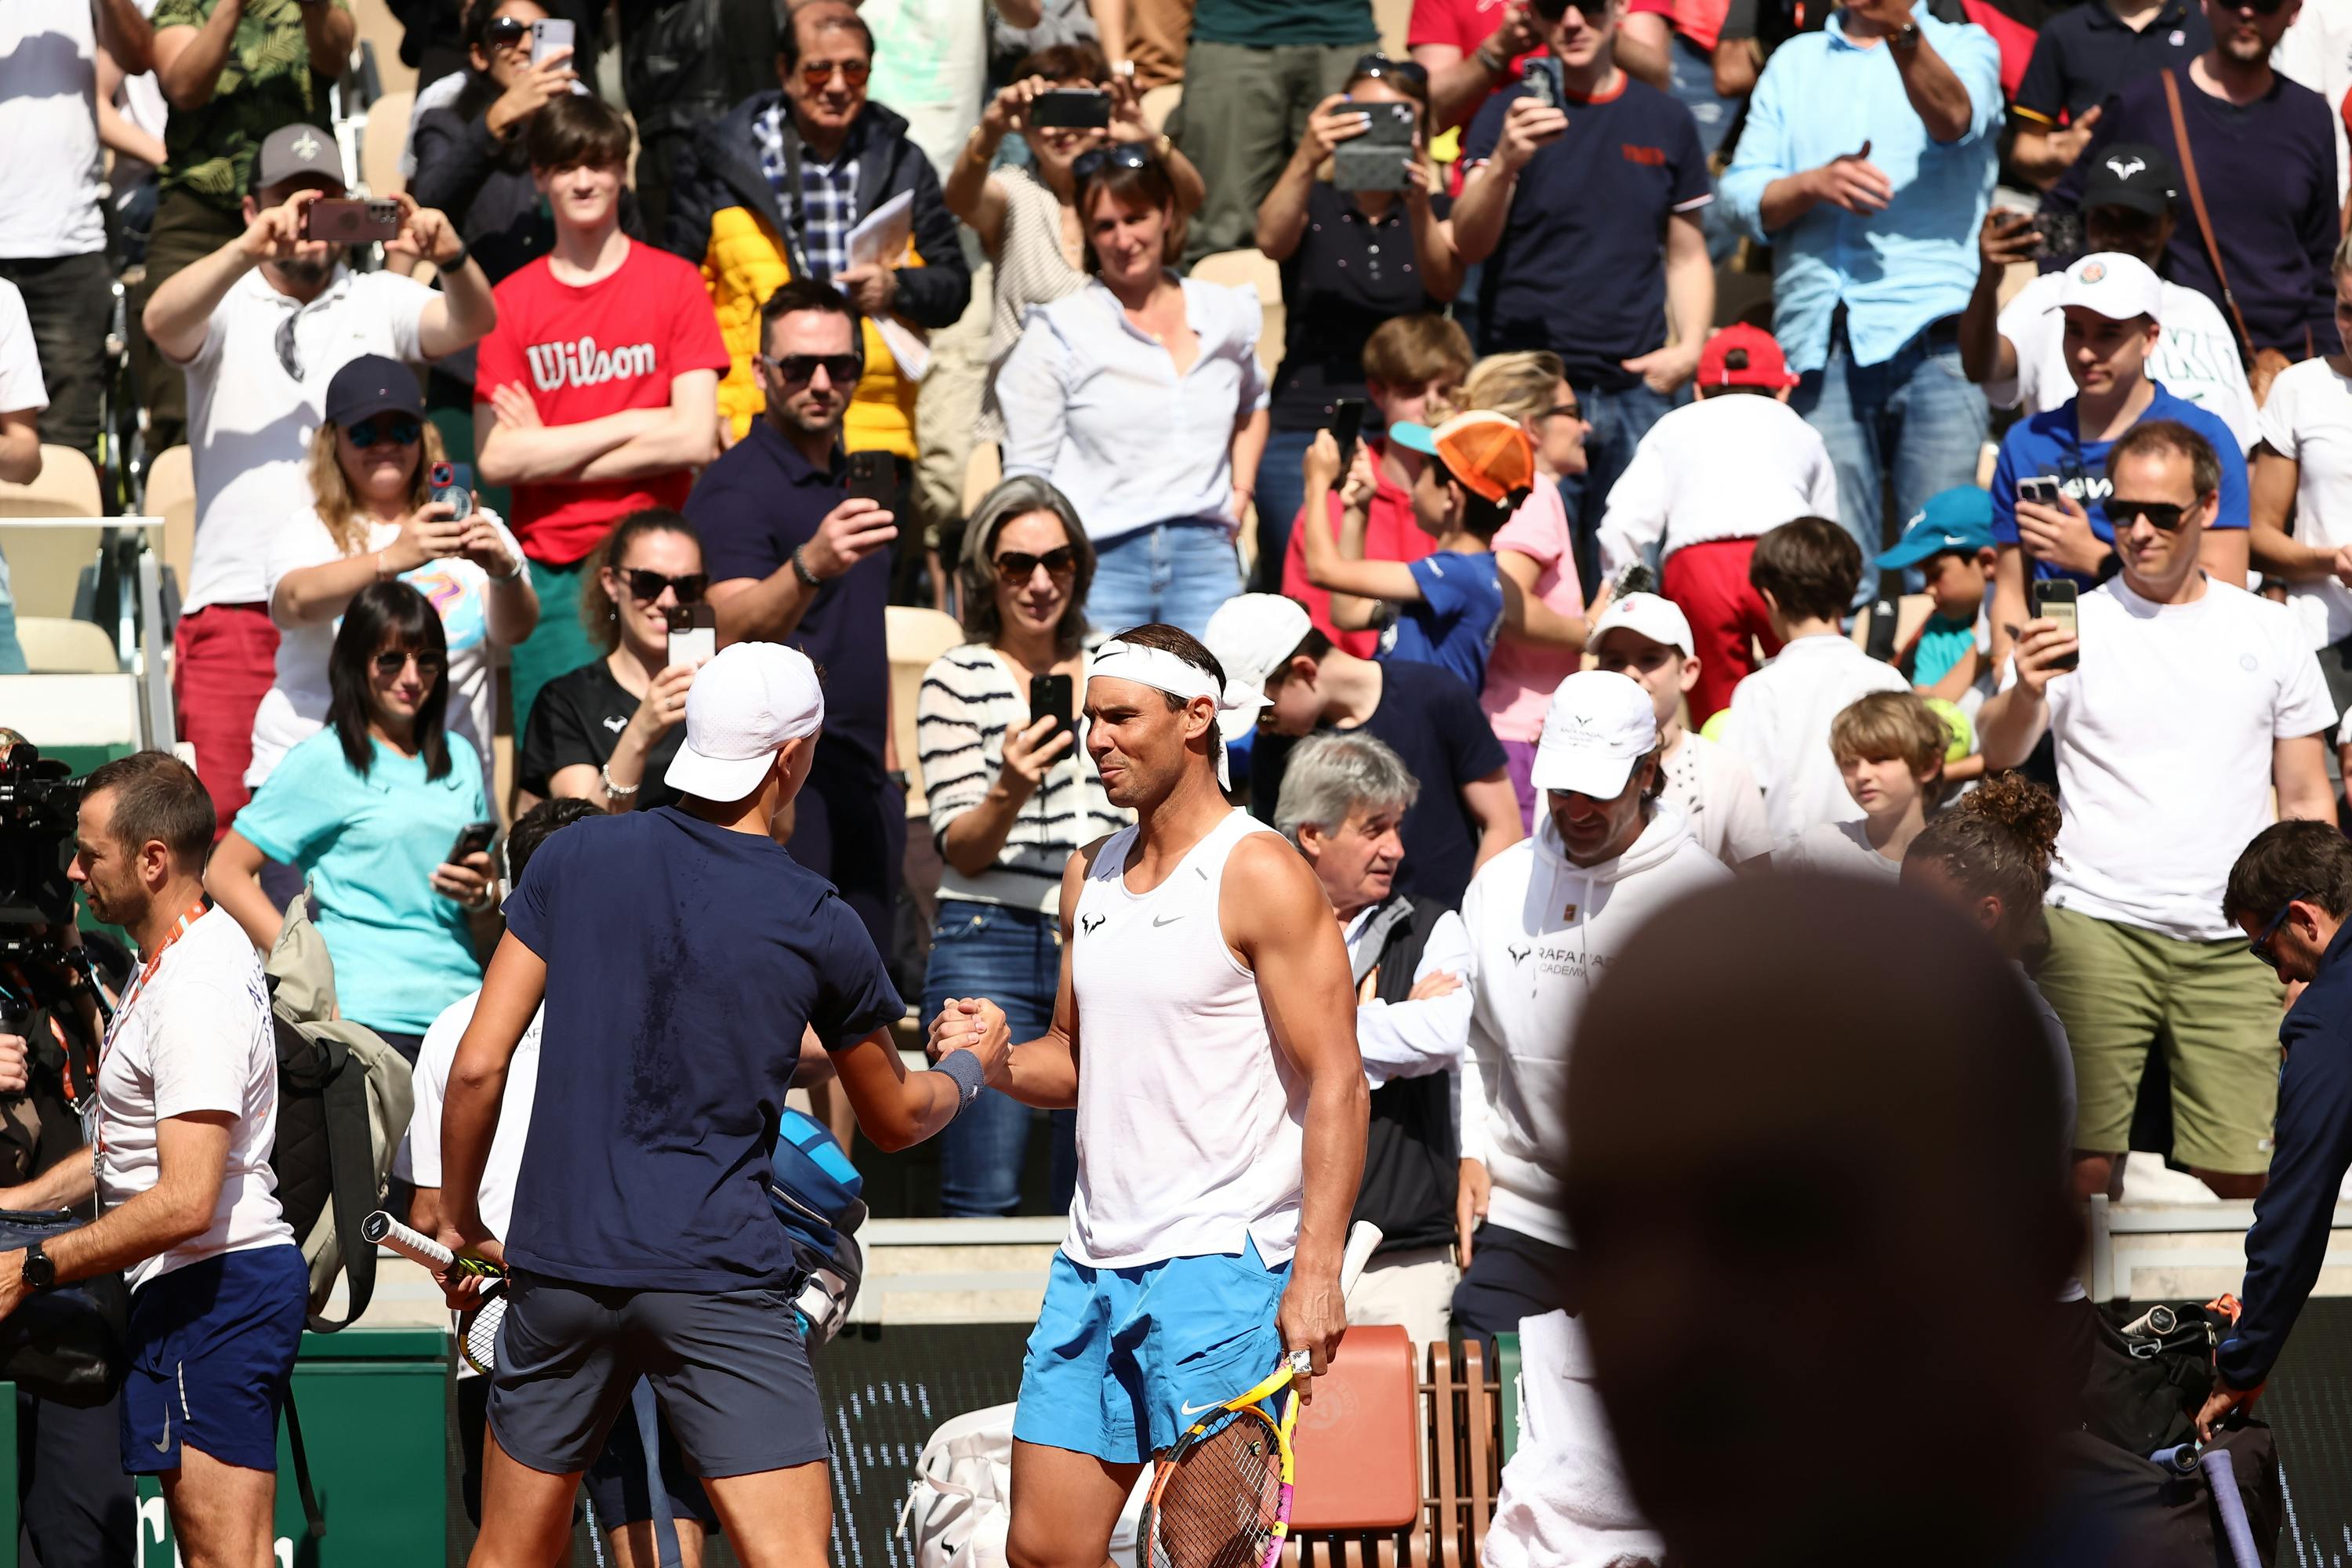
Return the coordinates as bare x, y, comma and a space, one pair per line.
1520, 678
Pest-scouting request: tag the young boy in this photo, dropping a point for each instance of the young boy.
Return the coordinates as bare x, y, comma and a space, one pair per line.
1890, 754
1706, 483
1949, 657
1647, 639
1806, 572
1448, 605
597, 395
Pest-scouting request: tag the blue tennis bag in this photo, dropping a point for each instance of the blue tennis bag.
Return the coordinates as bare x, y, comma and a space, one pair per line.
818, 1197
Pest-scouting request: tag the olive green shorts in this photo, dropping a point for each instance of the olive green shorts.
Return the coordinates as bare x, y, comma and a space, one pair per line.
2212, 1008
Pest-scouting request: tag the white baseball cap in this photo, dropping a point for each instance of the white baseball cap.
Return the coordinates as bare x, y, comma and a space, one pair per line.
1599, 725
743, 708
2117, 286
1660, 620
1252, 635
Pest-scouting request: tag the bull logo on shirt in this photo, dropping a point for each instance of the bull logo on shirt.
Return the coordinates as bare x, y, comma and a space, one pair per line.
1090, 924
583, 363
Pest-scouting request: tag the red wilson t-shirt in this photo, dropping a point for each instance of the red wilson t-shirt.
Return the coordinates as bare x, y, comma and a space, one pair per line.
584, 353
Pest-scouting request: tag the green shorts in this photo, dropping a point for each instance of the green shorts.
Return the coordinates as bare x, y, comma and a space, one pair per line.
561, 643
2212, 1006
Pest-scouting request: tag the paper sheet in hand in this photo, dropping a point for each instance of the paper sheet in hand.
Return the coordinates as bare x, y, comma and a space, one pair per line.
881, 236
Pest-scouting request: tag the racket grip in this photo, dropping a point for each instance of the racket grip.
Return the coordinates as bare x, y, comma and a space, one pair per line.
380, 1230
1363, 1239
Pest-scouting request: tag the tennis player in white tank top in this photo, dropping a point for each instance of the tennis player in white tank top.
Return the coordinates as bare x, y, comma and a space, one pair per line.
1221, 1109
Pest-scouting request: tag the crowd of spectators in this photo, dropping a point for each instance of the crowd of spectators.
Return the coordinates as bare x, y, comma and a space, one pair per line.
1619, 338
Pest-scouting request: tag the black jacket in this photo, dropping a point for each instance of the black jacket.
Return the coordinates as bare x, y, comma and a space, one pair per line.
484, 186
1412, 1158
720, 169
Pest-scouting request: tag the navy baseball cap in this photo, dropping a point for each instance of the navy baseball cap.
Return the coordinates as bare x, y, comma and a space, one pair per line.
1957, 519
373, 384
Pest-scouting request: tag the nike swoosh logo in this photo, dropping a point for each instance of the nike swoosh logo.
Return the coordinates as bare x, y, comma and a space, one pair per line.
164, 1446
1166, 919
1187, 1409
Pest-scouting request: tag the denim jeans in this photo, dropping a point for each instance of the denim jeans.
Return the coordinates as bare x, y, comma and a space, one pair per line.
1692, 84
1281, 491
1010, 956
1916, 421
12, 656
1178, 573
1620, 419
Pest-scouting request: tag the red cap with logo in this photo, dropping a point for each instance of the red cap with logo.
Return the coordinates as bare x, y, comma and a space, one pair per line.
1742, 355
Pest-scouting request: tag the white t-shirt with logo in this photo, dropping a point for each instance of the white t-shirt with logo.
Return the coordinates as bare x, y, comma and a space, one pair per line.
196, 1038
295, 707
2195, 356
2309, 419
1719, 795
51, 178
250, 418
2163, 739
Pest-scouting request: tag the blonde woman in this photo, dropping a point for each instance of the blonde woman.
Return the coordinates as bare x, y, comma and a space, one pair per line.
371, 520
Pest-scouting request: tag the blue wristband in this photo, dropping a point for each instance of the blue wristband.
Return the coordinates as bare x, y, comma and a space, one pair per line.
969, 1077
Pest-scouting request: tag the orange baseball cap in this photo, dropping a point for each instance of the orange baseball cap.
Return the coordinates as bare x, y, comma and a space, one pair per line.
1489, 452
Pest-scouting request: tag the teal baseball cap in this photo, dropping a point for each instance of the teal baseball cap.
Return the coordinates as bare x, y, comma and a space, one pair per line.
1957, 519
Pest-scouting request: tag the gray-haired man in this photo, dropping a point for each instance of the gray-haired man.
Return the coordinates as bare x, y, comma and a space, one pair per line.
1343, 797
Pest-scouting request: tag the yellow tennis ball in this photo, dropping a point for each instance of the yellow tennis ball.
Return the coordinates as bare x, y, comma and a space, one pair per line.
1964, 734
1717, 722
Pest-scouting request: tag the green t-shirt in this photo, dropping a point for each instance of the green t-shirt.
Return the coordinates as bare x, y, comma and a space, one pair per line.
1269, 24
265, 82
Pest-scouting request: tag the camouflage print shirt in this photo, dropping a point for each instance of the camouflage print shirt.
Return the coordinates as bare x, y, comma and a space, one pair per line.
267, 82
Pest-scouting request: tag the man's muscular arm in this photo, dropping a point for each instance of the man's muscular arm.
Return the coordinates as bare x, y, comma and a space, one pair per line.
1042, 1072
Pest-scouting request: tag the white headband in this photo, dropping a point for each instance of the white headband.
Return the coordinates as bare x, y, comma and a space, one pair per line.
1165, 671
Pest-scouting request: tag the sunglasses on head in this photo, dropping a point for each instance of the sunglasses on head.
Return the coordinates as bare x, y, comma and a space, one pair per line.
391, 661
2163, 516
840, 369
647, 585
400, 429
2260, 947
1086, 165
818, 75
506, 33
1376, 67
1014, 567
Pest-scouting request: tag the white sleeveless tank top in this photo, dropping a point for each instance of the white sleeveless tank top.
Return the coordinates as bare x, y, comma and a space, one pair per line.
1191, 1122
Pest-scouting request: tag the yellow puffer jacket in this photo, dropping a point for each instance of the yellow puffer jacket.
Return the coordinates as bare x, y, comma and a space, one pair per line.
745, 264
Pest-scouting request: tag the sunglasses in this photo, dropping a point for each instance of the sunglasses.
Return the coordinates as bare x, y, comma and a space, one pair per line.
2163, 516
1015, 567
400, 429
1122, 155
2262, 945
2259, 8
1376, 67
505, 33
390, 663
1595, 11
818, 75
1571, 410
840, 369
647, 586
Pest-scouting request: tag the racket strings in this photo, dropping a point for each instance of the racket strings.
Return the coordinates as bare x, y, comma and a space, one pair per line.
1221, 1500
478, 1336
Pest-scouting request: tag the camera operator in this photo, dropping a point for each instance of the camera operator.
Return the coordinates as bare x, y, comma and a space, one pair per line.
185, 1111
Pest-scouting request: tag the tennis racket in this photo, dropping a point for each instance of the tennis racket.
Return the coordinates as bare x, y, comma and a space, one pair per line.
477, 1327
1222, 1497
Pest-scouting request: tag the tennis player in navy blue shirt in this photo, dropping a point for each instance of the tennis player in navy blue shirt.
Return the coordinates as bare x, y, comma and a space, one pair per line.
682, 956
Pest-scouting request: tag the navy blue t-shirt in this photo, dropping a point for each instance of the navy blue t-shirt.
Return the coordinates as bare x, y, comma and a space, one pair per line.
753, 507
2047, 444
683, 960
1581, 268
1452, 624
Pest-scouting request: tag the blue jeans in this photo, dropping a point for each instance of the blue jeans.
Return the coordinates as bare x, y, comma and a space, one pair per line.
1011, 957
1915, 421
1178, 573
1620, 419
12, 654
1693, 83
1281, 491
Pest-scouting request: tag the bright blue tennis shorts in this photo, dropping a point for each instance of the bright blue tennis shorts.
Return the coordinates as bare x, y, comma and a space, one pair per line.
1124, 1359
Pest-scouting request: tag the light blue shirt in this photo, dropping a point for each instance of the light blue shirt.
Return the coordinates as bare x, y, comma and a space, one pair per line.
1094, 403
1896, 271
369, 846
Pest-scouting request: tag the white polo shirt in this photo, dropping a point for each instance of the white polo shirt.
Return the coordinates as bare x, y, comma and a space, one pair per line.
250, 418
195, 1037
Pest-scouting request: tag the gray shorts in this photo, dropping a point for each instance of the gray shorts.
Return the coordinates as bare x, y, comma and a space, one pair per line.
728, 1368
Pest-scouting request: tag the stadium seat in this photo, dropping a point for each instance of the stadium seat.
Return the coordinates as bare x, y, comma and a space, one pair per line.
172, 496
1234, 268
387, 127
54, 647
1358, 1449
1161, 102
982, 471
1464, 1408
916, 637
67, 487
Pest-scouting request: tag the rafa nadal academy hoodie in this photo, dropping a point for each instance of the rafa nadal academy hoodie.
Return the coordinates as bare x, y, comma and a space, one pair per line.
1542, 932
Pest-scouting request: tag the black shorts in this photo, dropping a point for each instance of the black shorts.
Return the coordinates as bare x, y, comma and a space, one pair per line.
727, 1369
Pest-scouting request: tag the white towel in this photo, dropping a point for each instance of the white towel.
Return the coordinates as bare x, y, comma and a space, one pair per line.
1564, 1501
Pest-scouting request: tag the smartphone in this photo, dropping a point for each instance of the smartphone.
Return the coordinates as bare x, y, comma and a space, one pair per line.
548, 35
874, 476
1375, 160
693, 634
2053, 600
2058, 235
2043, 491
1347, 427
454, 482
1540, 77
345, 221
1071, 108
472, 839
1051, 697
1883, 617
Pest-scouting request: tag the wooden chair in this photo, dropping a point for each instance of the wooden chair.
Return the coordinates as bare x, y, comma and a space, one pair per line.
916, 637
172, 496
1359, 1445
56, 646
1465, 1465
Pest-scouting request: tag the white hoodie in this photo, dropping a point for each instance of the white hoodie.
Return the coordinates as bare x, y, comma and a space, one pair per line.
1542, 932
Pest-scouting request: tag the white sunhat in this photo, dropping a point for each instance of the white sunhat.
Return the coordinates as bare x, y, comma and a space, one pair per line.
1599, 725
743, 706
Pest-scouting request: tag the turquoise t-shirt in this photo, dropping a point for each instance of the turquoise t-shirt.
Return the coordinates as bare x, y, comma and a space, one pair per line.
1943, 643
370, 846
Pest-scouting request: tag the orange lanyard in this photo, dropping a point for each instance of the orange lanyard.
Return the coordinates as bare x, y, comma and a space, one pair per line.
137, 986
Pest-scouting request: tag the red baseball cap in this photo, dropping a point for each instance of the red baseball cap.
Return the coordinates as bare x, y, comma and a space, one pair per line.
1760, 363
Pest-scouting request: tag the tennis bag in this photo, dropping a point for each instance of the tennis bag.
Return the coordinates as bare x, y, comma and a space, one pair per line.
343, 1102
819, 1198
960, 1501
